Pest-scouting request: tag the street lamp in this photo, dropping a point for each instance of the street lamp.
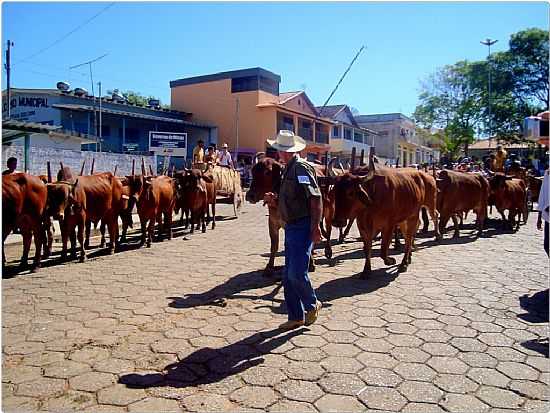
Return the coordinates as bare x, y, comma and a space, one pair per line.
488, 42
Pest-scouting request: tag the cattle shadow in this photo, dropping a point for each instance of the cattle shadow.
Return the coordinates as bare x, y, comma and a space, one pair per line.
537, 311
208, 365
230, 289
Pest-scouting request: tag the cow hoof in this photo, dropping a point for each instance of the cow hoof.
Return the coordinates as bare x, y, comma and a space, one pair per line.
456, 234
438, 238
203, 230
82, 259
102, 245
389, 261
328, 252
111, 251
311, 267
398, 247
402, 267
35, 269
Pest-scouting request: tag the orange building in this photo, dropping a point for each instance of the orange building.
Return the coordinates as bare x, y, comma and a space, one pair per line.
247, 108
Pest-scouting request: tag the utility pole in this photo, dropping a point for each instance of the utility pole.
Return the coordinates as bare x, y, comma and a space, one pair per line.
100, 128
488, 42
8, 76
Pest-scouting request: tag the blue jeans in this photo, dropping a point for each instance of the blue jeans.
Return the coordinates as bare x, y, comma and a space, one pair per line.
299, 294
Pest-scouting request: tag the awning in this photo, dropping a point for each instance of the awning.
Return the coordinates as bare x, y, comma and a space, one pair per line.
86, 108
14, 129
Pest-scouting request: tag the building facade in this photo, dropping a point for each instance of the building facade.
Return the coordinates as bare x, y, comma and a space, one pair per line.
346, 133
397, 139
248, 108
124, 127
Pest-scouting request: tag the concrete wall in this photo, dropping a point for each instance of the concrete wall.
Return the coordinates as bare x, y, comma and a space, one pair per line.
38, 157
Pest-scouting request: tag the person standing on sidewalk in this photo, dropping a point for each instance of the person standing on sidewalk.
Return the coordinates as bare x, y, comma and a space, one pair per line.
300, 207
543, 207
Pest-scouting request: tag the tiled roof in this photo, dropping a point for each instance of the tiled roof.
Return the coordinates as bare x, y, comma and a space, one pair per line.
331, 110
286, 96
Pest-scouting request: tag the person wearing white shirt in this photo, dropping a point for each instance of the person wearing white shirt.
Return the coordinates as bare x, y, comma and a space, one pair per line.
224, 158
543, 207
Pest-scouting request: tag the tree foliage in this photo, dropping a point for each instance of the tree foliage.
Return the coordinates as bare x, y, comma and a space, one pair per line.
456, 97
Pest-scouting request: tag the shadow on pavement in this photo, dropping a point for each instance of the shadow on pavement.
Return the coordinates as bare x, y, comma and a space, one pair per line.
536, 306
229, 289
208, 365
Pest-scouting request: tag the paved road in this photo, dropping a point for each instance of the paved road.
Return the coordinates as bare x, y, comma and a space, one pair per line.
190, 325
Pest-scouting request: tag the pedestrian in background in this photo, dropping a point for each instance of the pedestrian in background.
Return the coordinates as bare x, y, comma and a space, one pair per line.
198, 155
300, 207
543, 207
12, 166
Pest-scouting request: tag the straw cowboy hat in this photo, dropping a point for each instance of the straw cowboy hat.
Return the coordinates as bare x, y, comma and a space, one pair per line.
286, 141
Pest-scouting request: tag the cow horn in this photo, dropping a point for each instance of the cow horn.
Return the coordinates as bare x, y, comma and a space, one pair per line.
151, 170
142, 166
330, 168
372, 166
93, 164
116, 167
133, 167
48, 167
362, 159
82, 168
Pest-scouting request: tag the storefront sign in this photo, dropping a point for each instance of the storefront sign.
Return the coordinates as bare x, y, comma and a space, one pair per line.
168, 143
27, 101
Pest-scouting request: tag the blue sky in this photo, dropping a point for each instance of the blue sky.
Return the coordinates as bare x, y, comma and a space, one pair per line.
308, 44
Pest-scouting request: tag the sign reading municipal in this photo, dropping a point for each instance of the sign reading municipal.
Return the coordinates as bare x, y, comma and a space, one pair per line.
168, 143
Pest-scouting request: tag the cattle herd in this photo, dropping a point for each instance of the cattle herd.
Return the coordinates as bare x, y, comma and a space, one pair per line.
382, 200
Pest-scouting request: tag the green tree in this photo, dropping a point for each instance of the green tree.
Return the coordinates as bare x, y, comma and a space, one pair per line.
136, 98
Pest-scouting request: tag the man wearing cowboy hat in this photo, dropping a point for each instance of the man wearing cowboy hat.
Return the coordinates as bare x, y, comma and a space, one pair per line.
300, 207
224, 157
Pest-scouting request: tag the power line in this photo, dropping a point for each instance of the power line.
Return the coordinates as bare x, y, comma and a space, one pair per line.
68, 34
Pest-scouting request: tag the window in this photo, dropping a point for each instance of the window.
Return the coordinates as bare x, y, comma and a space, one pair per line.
347, 134
284, 122
336, 131
132, 135
269, 85
244, 84
358, 137
105, 130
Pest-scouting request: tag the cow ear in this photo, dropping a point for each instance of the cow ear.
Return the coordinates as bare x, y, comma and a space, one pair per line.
207, 178
74, 187
363, 196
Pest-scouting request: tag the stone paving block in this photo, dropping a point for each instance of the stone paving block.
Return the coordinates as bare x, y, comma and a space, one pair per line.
496, 397
299, 390
92, 381
475, 359
529, 389
89, 355
418, 391
439, 349
42, 387
415, 407
70, 401
488, 377
114, 365
284, 406
542, 364
459, 403
20, 374
154, 405
205, 402
65, 369
455, 383
266, 376
340, 383
411, 355
304, 370
254, 396
517, 371
382, 398
374, 376
415, 371
448, 365
332, 403
341, 364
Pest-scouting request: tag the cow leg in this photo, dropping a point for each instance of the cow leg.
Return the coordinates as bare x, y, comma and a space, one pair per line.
367, 248
397, 243
462, 216
274, 239
88, 230
503, 217
72, 235
168, 223
203, 219
346, 231
434, 215
112, 226
64, 238
456, 224
26, 232
81, 241
386, 240
214, 214
151, 231
102, 230
409, 231
38, 239
328, 246
425, 220
481, 215
161, 227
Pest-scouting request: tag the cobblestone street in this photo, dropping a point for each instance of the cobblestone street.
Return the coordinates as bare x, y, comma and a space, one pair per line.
191, 325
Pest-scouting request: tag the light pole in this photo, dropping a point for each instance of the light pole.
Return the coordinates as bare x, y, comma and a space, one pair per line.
488, 42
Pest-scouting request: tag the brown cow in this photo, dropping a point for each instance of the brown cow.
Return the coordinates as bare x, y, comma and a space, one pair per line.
460, 192
127, 206
509, 193
23, 204
381, 200
155, 200
266, 177
197, 195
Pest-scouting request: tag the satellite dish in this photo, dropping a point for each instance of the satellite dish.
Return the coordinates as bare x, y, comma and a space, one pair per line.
80, 91
63, 86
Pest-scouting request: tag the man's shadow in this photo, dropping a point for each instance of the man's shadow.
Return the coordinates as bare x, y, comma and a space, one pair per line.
536, 306
208, 365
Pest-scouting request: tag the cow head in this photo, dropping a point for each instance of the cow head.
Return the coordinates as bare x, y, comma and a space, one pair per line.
266, 177
135, 185
63, 198
351, 193
498, 182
